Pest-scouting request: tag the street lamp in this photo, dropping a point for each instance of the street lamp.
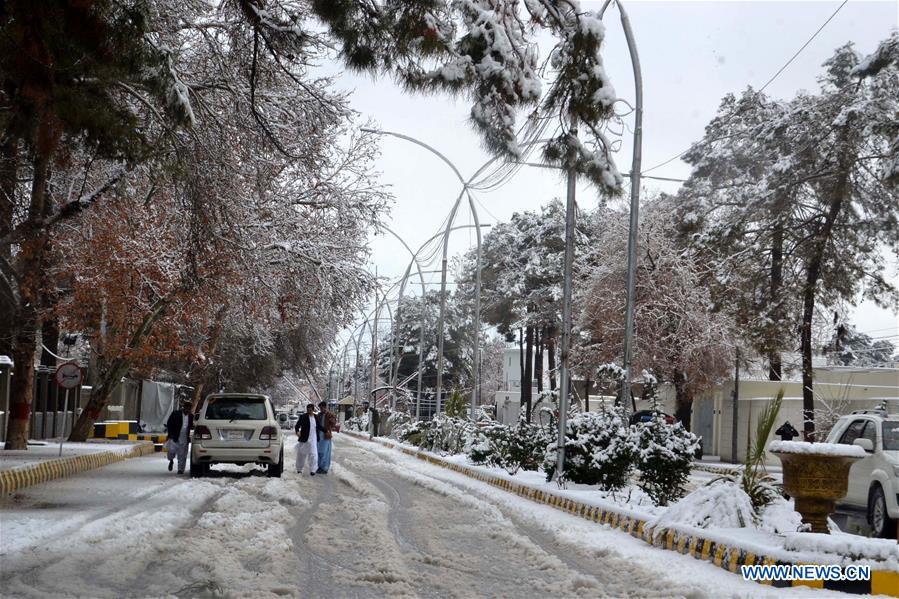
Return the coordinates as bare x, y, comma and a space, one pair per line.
449, 227
635, 202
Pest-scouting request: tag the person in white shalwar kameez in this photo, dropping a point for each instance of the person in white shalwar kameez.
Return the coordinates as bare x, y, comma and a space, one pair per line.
307, 433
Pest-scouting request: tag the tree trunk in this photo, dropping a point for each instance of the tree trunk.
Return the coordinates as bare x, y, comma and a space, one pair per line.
538, 362
586, 394
112, 375
775, 370
813, 273
527, 376
683, 400
8, 172
28, 322
551, 350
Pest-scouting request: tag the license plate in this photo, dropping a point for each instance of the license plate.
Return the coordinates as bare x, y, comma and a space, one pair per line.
234, 435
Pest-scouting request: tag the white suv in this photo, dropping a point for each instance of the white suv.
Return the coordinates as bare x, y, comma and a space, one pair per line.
236, 428
874, 480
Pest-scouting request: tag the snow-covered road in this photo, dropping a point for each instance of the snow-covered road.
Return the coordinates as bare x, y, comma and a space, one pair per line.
380, 524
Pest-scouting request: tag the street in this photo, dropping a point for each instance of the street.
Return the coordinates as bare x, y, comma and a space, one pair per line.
379, 524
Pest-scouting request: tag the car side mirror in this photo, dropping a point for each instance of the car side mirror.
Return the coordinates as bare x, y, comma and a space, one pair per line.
865, 444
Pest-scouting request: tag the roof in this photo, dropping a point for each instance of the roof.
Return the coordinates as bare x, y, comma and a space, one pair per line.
346, 401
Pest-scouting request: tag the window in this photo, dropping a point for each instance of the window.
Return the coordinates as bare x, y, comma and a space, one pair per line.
870, 433
890, 435
236, 408
853, 432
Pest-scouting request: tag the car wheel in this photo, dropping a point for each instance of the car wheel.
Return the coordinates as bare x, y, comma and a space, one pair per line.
881, 524
198, 470
275, 470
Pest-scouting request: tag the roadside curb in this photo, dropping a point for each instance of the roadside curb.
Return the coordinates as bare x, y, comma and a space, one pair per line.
728, 557
16, 479
723, 471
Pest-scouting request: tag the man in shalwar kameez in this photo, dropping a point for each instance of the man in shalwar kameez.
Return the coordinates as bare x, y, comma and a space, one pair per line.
307, 430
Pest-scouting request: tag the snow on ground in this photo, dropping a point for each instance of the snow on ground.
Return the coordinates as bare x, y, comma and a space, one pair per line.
638, 568
380, 524
135, 528
39, 451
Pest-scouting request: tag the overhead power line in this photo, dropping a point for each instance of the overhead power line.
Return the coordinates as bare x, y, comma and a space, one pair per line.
769, 82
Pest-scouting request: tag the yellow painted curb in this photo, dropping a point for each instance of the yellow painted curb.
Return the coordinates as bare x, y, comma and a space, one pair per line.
724, 556
16, 479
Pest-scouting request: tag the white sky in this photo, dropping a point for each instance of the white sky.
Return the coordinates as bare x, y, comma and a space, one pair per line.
692, 54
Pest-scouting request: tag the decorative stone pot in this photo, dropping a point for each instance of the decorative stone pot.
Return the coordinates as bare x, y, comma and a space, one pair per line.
816, 479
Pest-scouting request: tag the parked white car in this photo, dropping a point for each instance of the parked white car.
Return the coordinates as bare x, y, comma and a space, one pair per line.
236, 428
874, 480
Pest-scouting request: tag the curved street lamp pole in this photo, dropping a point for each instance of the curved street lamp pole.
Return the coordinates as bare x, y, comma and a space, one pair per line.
449, 227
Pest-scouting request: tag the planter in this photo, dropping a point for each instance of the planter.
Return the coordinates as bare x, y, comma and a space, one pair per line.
816, 475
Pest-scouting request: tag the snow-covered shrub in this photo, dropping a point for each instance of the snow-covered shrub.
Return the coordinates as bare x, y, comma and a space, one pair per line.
394, 422
449, 435
490, 445
443, 435
358, 423
721, 504
527, 446
415, 433
455, 406
599, 450
780, 517
664, 458
510, 447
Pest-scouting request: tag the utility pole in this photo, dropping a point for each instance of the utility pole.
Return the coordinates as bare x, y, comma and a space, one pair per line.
374, 338
736, 409
566, 307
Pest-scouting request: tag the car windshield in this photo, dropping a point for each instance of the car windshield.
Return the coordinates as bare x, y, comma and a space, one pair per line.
891, 435
236, 408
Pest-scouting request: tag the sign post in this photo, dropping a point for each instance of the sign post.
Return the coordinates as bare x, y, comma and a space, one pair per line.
68, 376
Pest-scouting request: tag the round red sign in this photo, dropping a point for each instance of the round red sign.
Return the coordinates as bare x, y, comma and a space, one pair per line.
68, 375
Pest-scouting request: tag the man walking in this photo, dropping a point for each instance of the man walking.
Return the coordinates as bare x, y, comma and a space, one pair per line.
326, 422
307, 433
178, 428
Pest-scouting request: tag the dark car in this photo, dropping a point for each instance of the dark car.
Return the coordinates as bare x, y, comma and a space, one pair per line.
646, 416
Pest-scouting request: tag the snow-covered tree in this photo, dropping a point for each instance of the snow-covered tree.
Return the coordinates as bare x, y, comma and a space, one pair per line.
850, 347
487, 51
819, 184
457, 364
521, 286
676, 334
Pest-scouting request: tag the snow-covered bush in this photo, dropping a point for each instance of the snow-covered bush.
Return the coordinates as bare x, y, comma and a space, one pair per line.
455, 405
449, 435
664, 458
394, 422
442, 435
720, 504
780, 517
490, 445
527, 446
510, 447
600, 449
414, 433
358, 423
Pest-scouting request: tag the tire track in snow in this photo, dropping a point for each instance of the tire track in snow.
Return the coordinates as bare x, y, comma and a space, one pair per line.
621, 565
